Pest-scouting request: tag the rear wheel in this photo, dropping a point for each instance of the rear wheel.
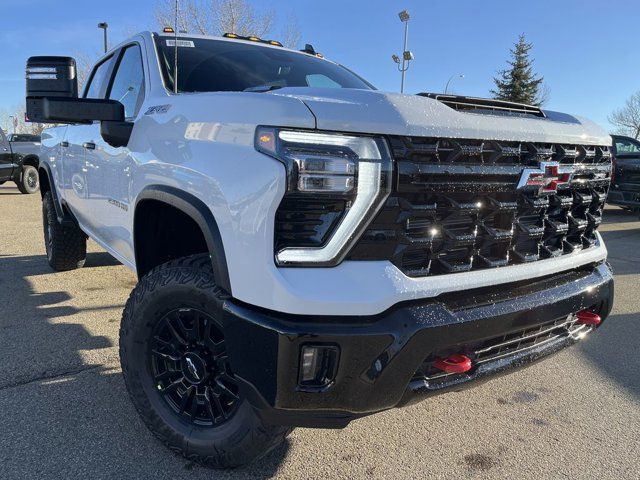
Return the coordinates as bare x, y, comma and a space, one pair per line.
177, 371
29, 182
66, 245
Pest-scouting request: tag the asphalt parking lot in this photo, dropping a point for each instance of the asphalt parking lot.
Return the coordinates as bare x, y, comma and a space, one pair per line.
64, 411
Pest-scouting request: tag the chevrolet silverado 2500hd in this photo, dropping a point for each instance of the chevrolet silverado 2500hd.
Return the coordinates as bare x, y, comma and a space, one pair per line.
19, 160
311, 250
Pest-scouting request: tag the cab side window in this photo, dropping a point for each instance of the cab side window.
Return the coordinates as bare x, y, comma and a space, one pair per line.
99, 79
626, 147
128, 83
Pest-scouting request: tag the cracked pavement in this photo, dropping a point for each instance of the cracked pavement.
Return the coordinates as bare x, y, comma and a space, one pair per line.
64, 411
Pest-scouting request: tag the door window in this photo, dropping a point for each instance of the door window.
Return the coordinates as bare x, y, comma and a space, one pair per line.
99, 79
624, 147
128, 83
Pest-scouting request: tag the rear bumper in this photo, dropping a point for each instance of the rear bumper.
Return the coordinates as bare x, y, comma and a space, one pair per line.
382, 357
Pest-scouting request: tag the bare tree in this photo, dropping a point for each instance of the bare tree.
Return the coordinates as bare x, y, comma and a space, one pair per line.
216, 17
17, 114
627, 118
84, 62
544, 94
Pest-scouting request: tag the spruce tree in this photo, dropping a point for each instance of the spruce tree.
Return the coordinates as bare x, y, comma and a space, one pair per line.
518, 83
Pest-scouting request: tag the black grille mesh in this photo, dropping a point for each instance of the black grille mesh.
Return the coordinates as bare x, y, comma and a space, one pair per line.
455, 207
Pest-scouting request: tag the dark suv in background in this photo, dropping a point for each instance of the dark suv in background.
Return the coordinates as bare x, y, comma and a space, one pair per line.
625, 181
19, 160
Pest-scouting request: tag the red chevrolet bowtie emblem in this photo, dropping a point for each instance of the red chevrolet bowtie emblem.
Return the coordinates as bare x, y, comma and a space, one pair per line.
547, 178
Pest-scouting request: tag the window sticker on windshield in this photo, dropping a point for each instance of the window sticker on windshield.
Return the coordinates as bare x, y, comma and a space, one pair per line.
181, 43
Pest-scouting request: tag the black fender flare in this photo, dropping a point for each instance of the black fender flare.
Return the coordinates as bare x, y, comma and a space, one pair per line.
30, 156
17, 172
197, 210
44, 171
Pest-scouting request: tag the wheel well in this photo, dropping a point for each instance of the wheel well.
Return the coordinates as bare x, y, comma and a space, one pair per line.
163, 233
32, 160
43, 179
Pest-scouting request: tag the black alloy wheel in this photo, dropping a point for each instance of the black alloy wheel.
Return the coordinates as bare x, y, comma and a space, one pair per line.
190, 366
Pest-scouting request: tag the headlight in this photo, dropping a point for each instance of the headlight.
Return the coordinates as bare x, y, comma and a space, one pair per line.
328, 167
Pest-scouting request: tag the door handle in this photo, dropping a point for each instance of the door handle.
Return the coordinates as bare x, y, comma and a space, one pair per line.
89, 145
64, 144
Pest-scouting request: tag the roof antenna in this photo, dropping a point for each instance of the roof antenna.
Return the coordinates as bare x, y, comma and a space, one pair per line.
175, 54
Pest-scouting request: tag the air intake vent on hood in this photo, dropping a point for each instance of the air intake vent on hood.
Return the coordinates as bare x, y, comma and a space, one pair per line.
485, 105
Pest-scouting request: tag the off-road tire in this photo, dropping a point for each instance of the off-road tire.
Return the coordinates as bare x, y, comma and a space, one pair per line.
65, 244
28, 182
187, 282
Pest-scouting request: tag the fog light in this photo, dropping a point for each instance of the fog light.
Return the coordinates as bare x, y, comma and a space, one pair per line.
318, 366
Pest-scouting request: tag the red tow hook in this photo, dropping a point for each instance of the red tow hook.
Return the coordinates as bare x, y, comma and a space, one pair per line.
586, 317
455, 363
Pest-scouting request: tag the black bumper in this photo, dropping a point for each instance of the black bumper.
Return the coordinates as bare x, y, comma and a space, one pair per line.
627, 197
380, 357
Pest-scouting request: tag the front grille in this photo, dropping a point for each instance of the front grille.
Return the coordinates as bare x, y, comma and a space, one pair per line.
456, 207
501, 346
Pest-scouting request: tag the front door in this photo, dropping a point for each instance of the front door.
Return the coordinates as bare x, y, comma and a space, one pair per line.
78, 185
109, 168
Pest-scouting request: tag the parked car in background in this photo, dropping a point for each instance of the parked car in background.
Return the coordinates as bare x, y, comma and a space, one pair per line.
625, 182
19, 160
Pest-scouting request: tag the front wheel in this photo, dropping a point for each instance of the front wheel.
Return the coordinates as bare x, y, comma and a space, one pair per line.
177, 371
29, 182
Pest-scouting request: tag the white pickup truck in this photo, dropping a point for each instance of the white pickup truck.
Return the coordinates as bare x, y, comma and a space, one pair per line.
311, 250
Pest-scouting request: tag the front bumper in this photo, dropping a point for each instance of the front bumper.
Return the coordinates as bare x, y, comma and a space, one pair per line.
381, 356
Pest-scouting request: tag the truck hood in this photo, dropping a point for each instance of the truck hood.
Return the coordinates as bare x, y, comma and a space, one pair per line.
372, 111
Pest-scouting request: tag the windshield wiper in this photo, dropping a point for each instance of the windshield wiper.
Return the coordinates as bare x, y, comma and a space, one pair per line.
262, 88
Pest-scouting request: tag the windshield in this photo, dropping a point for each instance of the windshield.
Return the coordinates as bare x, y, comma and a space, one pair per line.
206, 65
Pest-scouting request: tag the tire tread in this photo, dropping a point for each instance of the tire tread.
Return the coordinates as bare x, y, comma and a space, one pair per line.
69, 243
257, 438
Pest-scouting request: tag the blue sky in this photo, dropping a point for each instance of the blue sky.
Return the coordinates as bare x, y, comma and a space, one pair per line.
587, 50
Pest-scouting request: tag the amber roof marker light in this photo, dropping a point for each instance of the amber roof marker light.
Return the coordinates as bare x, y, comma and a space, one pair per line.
252, 38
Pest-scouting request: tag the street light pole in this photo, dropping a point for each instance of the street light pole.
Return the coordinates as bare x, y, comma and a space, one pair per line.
104, 26
446, 88
407, 56
404, 49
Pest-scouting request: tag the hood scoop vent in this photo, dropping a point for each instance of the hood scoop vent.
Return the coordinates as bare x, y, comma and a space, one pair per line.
486, 105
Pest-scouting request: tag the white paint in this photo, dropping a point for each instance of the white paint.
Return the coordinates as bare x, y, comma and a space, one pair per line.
203, 144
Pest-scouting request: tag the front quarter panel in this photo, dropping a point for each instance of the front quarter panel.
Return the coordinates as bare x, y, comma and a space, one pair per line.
203, 144
51, 152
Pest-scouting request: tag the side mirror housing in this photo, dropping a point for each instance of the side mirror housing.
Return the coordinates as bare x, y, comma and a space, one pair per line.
73, 110
116, 133
52, 95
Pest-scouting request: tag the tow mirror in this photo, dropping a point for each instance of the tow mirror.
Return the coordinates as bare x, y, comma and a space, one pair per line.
52, 95
52, 77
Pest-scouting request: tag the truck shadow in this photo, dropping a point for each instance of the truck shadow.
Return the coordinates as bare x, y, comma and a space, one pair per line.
64, 416
84, 426
613, 350
9, 188
35, 342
